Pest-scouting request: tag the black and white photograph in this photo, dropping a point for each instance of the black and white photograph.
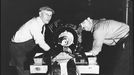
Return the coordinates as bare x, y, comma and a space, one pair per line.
66, 37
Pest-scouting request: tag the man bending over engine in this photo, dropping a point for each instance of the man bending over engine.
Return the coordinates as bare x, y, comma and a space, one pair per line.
104, 31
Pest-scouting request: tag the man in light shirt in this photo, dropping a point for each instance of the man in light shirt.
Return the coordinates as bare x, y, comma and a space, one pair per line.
29, 35
104, 31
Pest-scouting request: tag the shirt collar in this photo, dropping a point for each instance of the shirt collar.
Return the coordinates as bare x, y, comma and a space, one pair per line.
40, 21
93, 25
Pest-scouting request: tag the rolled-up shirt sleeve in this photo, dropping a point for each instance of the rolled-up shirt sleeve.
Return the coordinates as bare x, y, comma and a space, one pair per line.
38, 36
98, 40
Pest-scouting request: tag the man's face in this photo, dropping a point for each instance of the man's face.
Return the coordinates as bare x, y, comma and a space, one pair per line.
86, 25
46, 16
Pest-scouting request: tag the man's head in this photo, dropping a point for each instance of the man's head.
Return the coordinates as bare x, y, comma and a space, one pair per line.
45, 14
87, 24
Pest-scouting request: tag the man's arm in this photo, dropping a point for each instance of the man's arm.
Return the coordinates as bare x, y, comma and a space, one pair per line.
97, 43
39, 38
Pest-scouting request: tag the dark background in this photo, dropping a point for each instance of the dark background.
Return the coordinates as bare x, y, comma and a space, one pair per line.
14, 13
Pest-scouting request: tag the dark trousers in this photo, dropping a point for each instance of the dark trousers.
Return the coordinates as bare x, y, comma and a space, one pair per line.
114, 60
18, 55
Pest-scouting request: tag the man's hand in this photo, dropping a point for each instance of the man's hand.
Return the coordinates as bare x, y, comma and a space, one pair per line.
92, 53
47, 48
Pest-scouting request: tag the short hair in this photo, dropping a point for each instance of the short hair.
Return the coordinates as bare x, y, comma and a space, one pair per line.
47, 8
